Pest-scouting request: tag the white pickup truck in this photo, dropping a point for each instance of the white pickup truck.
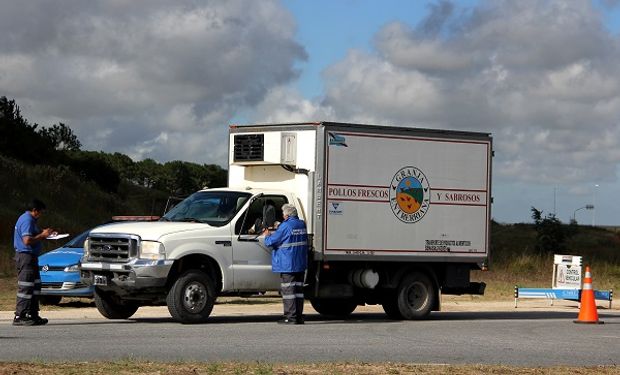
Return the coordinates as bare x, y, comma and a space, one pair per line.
395, 217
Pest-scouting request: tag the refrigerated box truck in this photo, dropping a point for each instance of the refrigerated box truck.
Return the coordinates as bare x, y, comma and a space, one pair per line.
396, 216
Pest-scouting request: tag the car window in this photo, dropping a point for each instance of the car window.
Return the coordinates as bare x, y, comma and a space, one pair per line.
256, 212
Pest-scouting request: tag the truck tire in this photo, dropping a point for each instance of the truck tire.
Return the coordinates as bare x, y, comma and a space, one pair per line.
191, 298
333, 307
112, 308
50, 300
415, 296
390, 306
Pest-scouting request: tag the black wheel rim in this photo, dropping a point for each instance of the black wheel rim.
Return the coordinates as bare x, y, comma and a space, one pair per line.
417, 296
195, 297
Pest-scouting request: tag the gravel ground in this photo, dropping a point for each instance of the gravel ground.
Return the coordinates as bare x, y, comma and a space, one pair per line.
273, 306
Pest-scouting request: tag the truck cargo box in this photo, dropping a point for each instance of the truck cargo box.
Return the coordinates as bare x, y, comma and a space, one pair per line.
374, 192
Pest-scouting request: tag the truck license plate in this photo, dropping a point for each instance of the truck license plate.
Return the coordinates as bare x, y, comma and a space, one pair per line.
100, 280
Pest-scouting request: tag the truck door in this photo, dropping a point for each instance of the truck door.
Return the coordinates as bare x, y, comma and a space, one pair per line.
251, 258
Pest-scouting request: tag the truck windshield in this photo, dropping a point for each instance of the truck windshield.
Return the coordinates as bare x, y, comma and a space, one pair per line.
212, 207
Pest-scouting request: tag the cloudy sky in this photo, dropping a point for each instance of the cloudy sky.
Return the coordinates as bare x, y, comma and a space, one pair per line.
163, 79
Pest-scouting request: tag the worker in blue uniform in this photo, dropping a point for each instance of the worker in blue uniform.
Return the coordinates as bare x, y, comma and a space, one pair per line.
27, 242
290, 258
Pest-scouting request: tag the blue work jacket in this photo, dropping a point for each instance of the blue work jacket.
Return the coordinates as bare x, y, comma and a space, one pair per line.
26, 226
290, 246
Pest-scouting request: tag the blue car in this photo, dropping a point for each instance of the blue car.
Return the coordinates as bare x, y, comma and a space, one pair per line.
60, 275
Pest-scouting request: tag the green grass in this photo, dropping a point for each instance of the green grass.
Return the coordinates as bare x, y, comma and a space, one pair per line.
8, 289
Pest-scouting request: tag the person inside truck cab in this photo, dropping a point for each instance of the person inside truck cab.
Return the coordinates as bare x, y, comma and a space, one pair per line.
267, 220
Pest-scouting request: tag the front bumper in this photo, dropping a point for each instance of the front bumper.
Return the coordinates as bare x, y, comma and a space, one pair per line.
67, 289
65, 284
127, 277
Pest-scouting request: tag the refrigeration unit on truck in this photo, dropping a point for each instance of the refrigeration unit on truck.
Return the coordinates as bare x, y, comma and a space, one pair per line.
395, 216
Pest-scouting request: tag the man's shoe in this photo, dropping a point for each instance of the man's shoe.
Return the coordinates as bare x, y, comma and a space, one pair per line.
23, 321
287, 321
38, 321
300, 321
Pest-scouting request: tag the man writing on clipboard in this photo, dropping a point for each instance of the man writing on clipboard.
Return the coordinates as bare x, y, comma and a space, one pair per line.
27, 242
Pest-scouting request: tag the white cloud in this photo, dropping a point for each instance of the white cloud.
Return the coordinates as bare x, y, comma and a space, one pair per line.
367, 89
284, 104
151, 73
162, 79
543, 77
402, 47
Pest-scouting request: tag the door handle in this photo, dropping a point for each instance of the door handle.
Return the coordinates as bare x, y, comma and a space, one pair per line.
241, 239
224, 243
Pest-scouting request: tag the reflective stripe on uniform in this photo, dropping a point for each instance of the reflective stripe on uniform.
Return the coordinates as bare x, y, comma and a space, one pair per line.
292, 283
288, 296
37, 281
25, 283
24, 295
293, 244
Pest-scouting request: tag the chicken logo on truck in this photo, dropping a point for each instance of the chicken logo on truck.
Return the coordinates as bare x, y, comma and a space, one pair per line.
409, 195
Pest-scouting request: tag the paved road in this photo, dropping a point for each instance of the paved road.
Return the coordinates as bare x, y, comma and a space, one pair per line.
515, 338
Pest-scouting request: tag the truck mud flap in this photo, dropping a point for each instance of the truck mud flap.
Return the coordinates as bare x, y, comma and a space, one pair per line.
474, 288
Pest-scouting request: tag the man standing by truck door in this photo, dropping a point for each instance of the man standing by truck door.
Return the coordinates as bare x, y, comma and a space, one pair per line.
27, 242
289, 258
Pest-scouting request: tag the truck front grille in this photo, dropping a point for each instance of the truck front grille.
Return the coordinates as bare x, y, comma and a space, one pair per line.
115, 248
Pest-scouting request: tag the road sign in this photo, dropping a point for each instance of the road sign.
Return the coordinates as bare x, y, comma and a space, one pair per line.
566, 272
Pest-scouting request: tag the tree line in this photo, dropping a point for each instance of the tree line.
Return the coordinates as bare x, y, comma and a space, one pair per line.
59, 146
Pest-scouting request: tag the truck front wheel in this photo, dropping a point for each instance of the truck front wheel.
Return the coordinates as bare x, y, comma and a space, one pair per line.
112, 308
191, 298
333, 306
415, 296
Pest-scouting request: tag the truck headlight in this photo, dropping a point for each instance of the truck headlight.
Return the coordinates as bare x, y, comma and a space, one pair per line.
73, 268
86, 248
152, 250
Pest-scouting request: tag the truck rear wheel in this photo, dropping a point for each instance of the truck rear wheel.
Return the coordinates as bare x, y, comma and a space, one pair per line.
112, 308
415, 296
191, 298
333, 307
390, 306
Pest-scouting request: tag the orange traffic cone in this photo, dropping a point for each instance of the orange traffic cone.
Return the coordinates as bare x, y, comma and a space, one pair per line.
587, 312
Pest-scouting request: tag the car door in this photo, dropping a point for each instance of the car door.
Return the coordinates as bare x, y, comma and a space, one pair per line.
251, 258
